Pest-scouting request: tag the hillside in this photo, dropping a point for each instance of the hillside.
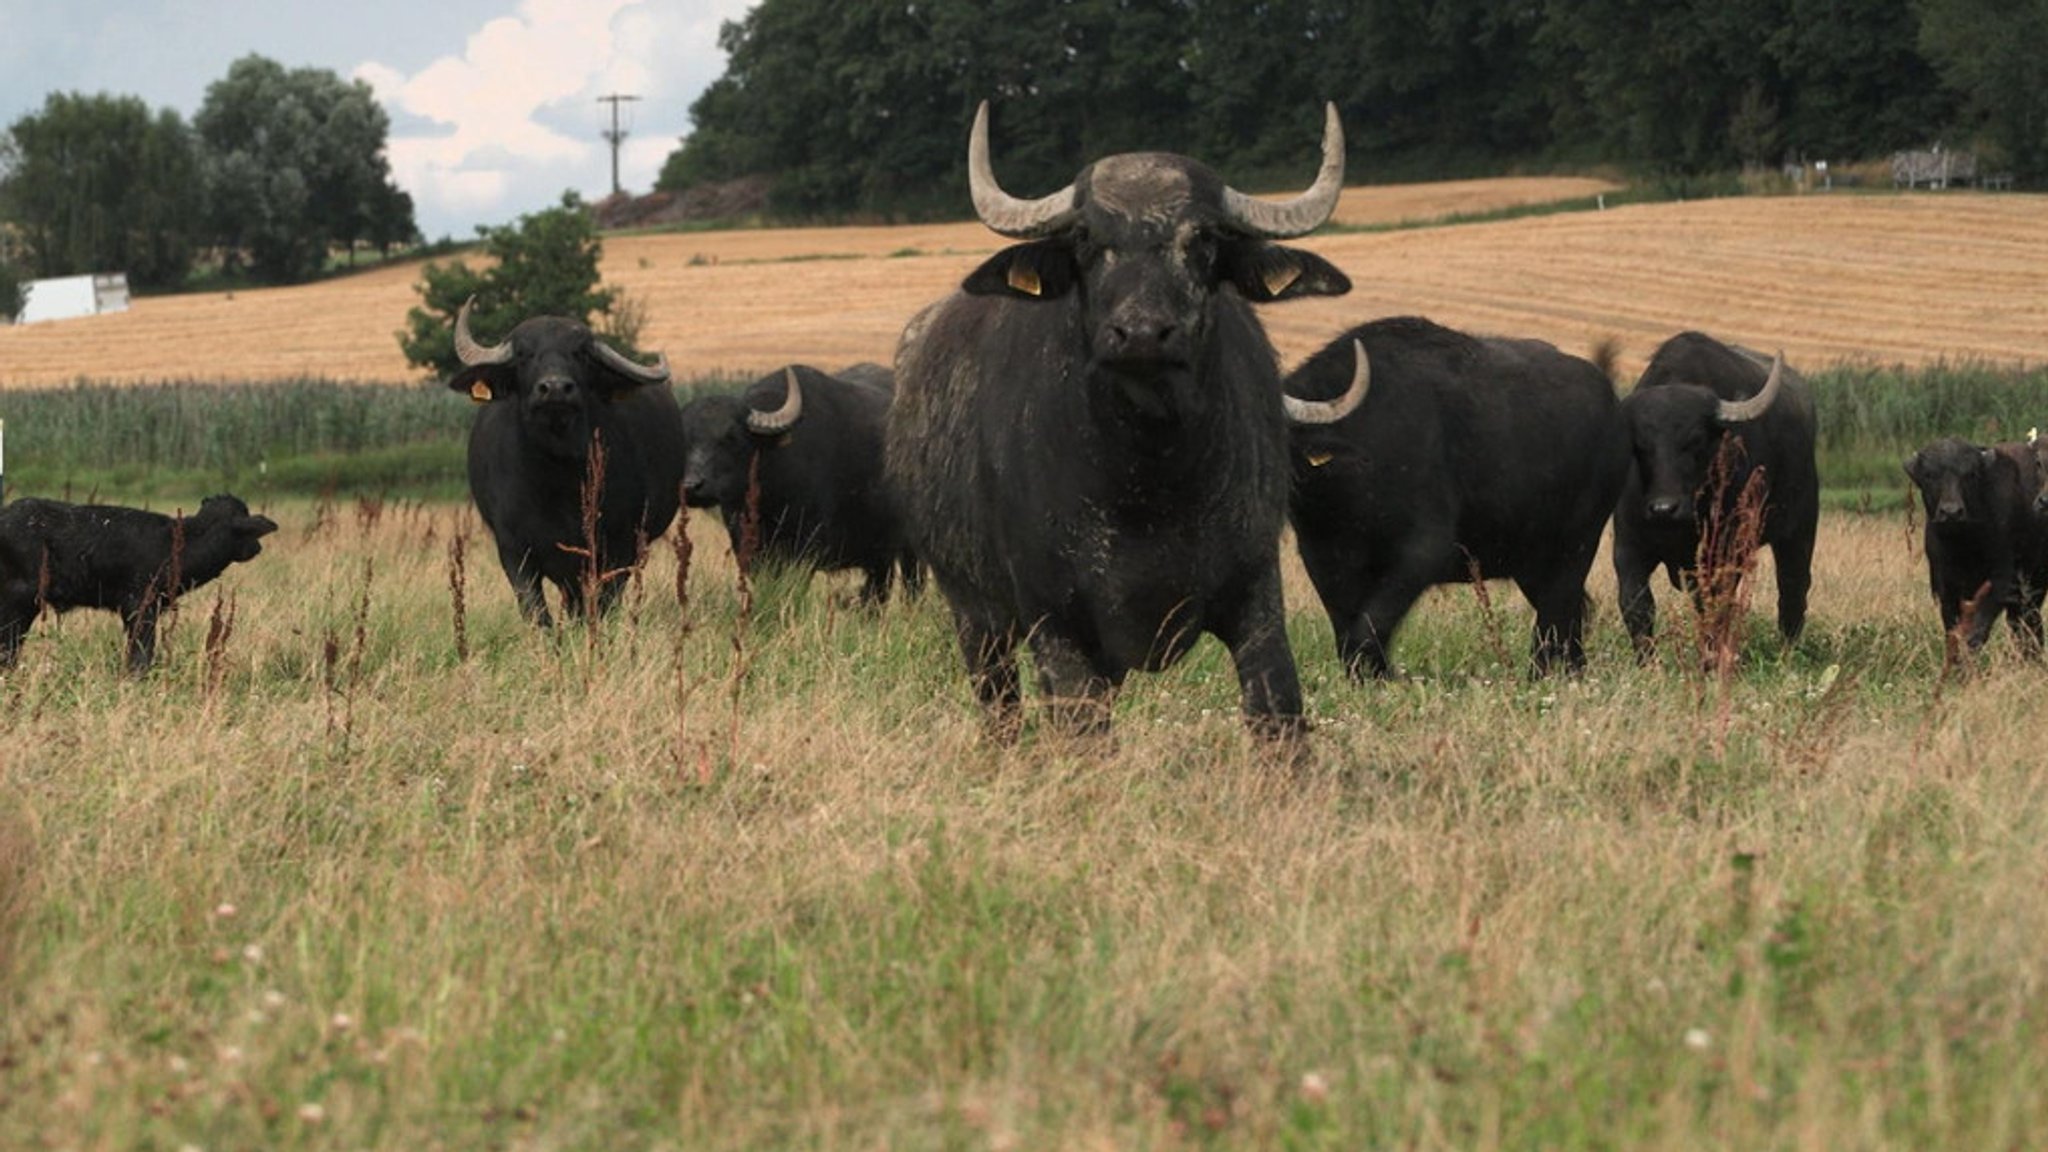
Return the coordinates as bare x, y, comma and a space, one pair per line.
1908, 278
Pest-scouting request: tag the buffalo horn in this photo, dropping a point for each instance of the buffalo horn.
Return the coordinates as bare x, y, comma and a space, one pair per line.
1003, 213
1330, 411
1742, 411
784, 418
655, 373
468, 350
1279, 220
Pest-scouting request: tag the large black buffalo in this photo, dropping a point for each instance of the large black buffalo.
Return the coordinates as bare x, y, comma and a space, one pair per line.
132, 561
1485, 457
1985, 546
550, 393
810, 447
1091, 438
1695, 394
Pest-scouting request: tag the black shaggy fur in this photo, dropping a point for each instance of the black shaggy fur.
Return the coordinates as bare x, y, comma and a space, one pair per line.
1498, 456
128, 560
822, 501
529, 457
1675, 432
1982, 536
1091, 446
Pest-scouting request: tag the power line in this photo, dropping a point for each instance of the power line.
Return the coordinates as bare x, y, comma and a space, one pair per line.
616, 134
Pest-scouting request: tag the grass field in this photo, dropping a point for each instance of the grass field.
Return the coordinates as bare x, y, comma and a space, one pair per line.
367, 863
723, 880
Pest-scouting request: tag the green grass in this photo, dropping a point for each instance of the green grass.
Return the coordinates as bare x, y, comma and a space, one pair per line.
303, 437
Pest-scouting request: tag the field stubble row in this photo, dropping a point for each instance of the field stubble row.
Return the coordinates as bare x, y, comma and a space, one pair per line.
1907, 279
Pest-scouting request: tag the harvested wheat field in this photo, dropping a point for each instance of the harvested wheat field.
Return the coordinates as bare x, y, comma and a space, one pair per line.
1890, 278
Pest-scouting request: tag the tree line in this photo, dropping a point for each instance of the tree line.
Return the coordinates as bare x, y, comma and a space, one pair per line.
279, 168
860, 106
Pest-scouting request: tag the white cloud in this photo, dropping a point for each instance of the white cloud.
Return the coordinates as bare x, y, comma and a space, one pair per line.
513, 120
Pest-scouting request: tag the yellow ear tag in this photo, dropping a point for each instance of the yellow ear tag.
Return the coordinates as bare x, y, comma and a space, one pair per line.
1025, 280
1318, 459
1281, 278
480, 392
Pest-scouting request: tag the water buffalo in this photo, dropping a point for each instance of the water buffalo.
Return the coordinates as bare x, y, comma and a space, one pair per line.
1982, 536
548, 392
129, 560
813, 443
1471, 456
1695, 394
1091, 439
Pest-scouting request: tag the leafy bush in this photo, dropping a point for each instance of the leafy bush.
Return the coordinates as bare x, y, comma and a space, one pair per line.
544, 265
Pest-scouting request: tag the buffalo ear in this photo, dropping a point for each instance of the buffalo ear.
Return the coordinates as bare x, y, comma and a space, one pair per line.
1912, 466
483, 382
1039, 270
1264, 273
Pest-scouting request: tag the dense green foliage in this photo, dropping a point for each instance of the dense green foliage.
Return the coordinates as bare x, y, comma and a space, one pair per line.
295, 165
98, 184
859, 106
543, 265
279, 168
11, 284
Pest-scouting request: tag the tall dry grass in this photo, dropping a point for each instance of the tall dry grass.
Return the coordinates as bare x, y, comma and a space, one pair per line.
719, 881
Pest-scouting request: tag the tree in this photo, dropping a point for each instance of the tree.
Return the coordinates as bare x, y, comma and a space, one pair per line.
546, 264
1988, 51
10, 292
96, 183
295, 167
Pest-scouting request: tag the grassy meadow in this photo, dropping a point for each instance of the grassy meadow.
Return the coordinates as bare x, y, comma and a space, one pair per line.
366, 862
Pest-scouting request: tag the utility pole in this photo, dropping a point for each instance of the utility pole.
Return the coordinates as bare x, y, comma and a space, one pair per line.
616, 134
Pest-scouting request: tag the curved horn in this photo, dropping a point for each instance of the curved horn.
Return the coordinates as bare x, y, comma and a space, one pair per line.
1003, 213
468, 350
655, 373
1280, 220
1330, 411
1741, 411
784, 418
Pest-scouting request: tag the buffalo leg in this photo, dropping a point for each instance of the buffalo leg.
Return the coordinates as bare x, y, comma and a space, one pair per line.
1559, 637
1794, 562
991, 656
526, 586
874, 589
2024, 618
1267, 681
911, 572
1078, 696
16, 614
1638, 604
139, 626
1363, 643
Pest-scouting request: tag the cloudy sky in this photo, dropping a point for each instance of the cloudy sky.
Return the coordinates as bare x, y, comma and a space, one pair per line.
494, 103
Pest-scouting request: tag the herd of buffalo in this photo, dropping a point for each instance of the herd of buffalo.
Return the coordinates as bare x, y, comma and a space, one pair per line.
1090, 448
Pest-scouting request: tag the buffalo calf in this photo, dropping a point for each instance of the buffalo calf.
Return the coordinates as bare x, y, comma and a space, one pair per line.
1982, 537
802, 453
101, 556
1470, 458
